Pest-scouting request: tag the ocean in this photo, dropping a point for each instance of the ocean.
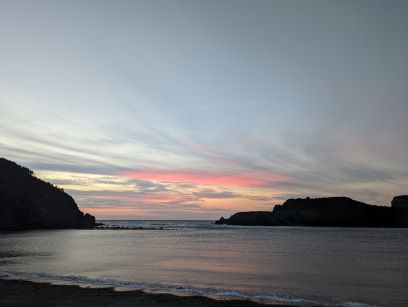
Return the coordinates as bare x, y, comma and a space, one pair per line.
291, 265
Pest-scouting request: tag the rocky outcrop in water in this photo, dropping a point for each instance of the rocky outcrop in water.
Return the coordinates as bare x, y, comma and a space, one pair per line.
330, 211
27, 202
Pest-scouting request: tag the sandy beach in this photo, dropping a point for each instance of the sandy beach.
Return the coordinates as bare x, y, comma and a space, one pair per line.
24, 293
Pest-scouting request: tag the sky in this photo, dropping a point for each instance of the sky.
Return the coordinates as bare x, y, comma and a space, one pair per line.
197, 109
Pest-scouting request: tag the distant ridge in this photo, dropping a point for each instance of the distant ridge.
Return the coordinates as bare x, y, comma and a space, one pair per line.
27, 202
328, 212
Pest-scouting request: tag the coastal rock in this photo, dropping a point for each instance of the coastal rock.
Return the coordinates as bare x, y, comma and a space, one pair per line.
220, 221
27, 202
329, 212
400, 202
252, 218
400, 207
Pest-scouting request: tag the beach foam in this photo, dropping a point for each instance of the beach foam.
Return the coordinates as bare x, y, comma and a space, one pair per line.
122, 285
182, 290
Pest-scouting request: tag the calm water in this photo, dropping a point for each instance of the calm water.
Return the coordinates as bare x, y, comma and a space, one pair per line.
299, 265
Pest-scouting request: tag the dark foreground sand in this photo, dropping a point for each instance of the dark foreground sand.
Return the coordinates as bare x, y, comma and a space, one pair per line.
25, 293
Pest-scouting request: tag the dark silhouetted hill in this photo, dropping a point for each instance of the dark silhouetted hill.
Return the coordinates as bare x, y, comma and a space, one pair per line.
27, 202
329, 212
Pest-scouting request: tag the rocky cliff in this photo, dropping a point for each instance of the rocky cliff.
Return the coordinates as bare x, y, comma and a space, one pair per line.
331, 211
27, 202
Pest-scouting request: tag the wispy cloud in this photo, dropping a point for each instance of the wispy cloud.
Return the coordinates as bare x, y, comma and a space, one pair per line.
230, 105
204, 178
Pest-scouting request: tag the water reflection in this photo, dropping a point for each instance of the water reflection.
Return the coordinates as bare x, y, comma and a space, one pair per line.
321, 264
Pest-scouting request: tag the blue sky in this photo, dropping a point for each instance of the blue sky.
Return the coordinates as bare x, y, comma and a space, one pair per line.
196, 109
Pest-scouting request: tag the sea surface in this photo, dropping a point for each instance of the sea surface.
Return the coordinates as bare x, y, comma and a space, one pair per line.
293, 265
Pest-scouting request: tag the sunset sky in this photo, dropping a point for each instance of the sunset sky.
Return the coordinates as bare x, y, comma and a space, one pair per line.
197, 109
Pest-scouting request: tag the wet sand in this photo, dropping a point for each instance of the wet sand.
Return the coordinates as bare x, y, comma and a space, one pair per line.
25, 293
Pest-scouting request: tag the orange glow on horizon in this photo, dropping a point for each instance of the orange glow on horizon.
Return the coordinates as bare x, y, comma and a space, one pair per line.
119, 212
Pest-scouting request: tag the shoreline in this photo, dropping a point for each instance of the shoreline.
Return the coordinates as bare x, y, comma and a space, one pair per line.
23, 293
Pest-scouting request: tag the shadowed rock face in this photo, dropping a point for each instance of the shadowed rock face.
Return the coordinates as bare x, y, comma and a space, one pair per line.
400, 202
27, 202
331, 211
400, 207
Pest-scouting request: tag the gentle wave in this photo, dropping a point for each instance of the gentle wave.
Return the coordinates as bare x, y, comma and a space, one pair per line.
83, 281
123, 285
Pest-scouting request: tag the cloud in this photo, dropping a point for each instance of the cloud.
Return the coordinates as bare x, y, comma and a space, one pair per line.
203, 177
230, 105
210, 193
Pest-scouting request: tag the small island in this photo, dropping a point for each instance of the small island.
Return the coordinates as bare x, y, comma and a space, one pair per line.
326, 212
27, 202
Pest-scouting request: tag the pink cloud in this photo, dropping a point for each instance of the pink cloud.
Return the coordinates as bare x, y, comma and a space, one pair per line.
148, 198
206, 178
